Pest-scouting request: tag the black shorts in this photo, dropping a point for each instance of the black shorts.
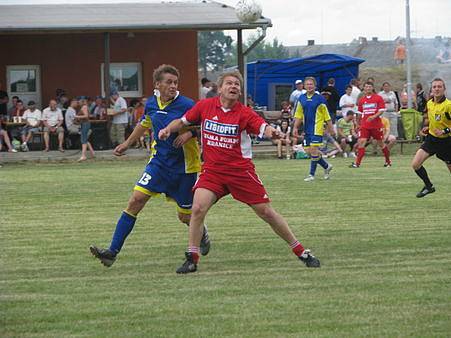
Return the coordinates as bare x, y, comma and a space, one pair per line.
441, 147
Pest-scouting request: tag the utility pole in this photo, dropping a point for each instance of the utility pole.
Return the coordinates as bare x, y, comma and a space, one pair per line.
408, 68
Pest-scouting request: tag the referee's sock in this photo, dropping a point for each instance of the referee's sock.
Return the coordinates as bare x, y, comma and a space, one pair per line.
124, 226
422, 173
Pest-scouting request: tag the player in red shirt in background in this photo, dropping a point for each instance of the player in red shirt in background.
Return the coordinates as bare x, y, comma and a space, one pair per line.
371, 105
228, 168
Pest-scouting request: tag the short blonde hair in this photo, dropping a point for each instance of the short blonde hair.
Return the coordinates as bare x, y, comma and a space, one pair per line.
310, 78
234, 73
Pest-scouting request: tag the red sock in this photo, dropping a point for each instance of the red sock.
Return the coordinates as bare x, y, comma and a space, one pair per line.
360, 154
386, 154
297, 248
194, 251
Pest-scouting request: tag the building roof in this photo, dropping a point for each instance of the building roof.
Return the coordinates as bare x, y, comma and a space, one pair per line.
174, 15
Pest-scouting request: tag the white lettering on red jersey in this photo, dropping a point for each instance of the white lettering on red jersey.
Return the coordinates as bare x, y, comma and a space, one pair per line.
226, 143
368, 106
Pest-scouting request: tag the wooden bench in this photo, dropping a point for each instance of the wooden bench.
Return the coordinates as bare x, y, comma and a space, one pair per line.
270, 116
402, 142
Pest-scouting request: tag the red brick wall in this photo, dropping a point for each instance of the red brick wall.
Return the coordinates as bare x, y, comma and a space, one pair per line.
72, 61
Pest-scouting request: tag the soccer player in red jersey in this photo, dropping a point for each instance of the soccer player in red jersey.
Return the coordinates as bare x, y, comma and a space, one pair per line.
371, 105
228, 168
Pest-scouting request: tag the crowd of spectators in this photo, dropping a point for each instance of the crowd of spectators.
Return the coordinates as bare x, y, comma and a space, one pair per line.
69, 120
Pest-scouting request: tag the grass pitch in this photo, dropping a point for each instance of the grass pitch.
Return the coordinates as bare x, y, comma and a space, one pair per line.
386, 256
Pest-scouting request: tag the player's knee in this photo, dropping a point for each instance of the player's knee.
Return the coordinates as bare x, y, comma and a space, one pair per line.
137, 202
265, 211
198, 210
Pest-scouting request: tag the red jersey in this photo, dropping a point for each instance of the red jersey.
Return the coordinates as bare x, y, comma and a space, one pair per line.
370, 105
225, 133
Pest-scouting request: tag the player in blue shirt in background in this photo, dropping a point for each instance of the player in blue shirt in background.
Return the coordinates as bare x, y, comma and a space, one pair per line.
173, 165
311, 110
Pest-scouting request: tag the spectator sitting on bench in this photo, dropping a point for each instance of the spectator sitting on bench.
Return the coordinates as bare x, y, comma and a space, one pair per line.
72, 126
285, 128
347, 134
52, 118
33, 119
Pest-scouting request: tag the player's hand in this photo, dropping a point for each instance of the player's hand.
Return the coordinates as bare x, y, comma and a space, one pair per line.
276, 134
438, 132
424, 131
120, 149
182, 139
164, 134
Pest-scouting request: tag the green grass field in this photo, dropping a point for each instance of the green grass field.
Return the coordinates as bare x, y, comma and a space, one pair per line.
386, 256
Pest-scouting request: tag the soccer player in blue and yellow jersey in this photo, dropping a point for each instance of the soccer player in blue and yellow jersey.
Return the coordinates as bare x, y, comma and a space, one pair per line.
437, 128
173, 166
311, 110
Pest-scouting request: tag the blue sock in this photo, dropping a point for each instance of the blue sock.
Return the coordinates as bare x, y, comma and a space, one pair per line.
123, 228
313, 164
322, 162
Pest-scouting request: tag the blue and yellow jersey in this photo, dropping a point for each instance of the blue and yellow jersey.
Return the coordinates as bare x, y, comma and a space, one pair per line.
313, 110
157, 116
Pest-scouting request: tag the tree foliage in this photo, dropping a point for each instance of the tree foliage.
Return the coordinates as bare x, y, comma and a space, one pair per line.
214, 48
263, 50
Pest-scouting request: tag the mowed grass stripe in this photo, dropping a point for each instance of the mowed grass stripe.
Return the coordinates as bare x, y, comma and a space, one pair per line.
385, 255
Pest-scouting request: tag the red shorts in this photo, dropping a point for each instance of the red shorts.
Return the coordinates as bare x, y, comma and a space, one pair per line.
375, 133
244, 185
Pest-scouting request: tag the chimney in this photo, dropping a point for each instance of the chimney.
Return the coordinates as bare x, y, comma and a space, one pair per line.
362, 40
374, 39
310, 42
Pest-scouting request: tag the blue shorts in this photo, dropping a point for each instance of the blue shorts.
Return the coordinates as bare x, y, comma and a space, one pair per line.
178, 187
313, 141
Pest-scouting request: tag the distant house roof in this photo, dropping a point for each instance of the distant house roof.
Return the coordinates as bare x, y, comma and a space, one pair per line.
176, 15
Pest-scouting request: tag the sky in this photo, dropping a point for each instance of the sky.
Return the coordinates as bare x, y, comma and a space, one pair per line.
335, 21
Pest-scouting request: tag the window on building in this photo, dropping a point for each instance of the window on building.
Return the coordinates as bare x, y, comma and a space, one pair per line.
125, 78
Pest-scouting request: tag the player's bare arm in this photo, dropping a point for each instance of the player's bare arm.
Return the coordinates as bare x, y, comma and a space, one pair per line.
184, 137
273, 133
135, 135
330, 128
172, 127
297, 124
375, 116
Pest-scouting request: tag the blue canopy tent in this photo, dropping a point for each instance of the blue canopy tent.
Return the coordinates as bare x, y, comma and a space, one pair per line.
271, 81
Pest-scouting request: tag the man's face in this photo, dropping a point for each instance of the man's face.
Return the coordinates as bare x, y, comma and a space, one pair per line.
230, 88
438, 88
300, 86
32, 107
309, 86
348, 91
386, 87
19, 105
168, 86
368, 89
98, 102
52, 104
349, 117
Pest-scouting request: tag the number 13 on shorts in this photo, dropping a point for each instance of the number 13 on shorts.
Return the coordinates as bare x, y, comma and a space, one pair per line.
145, 179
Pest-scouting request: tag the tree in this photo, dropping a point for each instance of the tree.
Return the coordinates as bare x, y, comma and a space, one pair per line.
214, 48
264, 50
